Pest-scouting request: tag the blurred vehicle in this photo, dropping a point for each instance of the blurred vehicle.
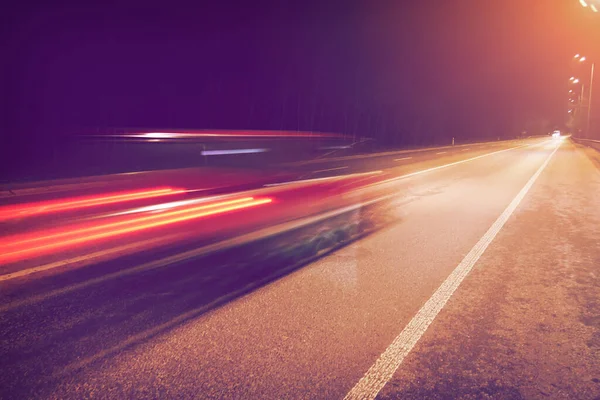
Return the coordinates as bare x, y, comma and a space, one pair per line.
191, 211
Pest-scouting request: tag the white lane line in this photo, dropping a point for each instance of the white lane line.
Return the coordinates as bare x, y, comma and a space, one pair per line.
403, 158
329, 169
441, 152
423, 171
386, 365
466, 149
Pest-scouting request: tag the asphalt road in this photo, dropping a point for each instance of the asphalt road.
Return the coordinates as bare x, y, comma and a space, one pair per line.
484, 283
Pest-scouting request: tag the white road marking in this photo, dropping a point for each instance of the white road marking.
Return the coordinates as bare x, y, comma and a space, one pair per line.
466, 149
385, 153
423, 171
386, 365
329, 169
441, 152
403, 158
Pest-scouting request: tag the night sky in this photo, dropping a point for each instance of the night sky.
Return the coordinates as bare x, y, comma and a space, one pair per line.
404, 72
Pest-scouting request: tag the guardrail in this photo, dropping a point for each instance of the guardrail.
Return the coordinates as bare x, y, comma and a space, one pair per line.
595, 144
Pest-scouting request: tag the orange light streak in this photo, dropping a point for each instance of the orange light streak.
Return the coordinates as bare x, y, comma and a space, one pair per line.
46, 207
80, 236
91, 229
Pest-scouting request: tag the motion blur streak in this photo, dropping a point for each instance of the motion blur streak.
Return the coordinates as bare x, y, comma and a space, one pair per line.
233, 151
63, 233
303, 182
46, 207
224, 134
19, 249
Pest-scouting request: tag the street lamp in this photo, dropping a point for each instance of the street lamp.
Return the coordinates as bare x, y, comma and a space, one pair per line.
592, 6
575, 81
589, 105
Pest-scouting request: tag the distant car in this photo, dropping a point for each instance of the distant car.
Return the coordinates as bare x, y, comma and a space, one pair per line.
556, 134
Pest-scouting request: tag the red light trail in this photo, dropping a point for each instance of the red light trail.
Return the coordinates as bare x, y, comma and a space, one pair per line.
46, 207
44, 242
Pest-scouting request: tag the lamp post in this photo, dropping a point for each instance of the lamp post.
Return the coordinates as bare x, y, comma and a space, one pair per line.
589, 116
574, 110
593, 5
590, 4
582, 59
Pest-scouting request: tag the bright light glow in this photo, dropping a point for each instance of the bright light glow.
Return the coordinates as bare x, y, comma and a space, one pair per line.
582, 59
69, 236
570, 90
232, 151
593, 7
218, 134
572, 78
164, 206
576, 56
46, 207
159, 135
583, 3
570, 110
576, 81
